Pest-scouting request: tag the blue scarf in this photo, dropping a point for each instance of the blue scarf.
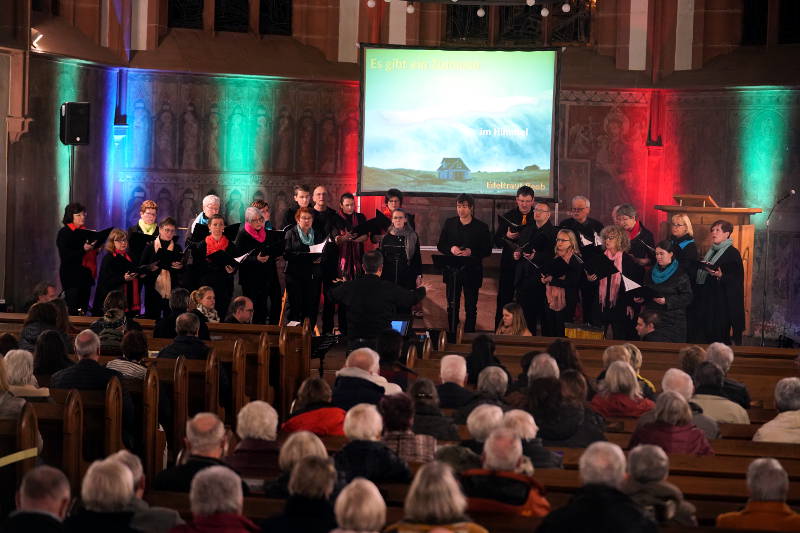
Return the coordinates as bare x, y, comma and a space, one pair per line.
268, 225
712, 256
660, 275
684, 244
307, 240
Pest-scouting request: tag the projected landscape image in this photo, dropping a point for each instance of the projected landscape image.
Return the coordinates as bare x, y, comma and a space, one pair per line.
457, 121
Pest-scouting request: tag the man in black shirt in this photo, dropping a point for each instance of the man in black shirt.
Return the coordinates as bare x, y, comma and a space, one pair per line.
587, 230
508, 239
302, 198
467, 237
328, 221
539, 240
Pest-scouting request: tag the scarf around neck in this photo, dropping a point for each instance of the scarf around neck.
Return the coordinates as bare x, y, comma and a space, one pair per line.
308, 240
147, 229
660, 275
259, 235
210, 314
634, 231
164, 279
213, 245
410, 237
615, 280
687, 240
712, 256
89, 260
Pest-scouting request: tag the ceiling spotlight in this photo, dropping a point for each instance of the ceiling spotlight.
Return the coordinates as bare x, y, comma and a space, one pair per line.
481, 12
370, 3
545, 12
530, 2
566, 7
410, 8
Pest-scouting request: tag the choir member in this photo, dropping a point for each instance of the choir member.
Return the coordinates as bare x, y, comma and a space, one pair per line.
78, 268
393, 199
674, 290
587, 231
538, 240
211, 205
118, 272
302, 198
562, 280
402, 262
258, 273
217, 274
266, 212
303, 272
720, 288
642, 242
147, 225
465, 236
329, 222
351, 247
508, 239
683, 237
616, 307
158, 281
513, 321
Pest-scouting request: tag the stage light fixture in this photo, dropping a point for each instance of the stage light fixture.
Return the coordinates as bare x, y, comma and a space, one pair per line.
481, 12
370, 3
565, 7
530, 2
545, 12
410, 9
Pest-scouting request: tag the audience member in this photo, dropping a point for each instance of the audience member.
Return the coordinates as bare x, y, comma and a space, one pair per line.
297, 447
106, 491
689, 357
134, 351
203, 302
768, 485
397, 411
681, 382
492, 386
458, 458
722, 355
115, 299
786, 426
19, 376
178, 304
359, 381
564, 419
257, 427
599, 505
111, 331
708, 379
453, 374
50, 354
672, 428
389, 346
313, 410
241, 311
513, 321
42, 502
499, 487
216, 500
434, 500
365, 456
648, 327
186, 343
620, 394
480, 423
41, 317
360, 508
481, 356
87, 373
647, 485
521, 423
44, 291
648, 389
428, 418
8, 342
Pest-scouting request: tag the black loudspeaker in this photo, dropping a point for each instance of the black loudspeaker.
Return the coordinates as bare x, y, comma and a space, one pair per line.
74, 128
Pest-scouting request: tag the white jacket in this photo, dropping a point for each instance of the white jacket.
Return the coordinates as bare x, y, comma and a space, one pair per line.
355, 372
783, 428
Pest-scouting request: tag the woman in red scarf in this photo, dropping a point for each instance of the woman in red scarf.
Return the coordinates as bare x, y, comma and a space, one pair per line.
258, 273
217, 275
643, 246
78, 267
117, 272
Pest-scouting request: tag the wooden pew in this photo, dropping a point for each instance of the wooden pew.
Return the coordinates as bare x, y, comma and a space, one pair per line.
173, 376
61, 426
16, 435
294, 364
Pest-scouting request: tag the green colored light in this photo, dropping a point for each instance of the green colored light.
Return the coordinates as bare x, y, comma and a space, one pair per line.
66, 87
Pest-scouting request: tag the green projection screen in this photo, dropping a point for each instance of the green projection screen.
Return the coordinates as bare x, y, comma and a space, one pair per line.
441, 122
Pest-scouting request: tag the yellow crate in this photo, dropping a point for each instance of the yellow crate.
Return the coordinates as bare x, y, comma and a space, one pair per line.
582, 331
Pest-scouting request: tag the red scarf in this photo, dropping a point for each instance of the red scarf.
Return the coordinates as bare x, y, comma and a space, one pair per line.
352, 219
213, 245
634, 231
259, 235
131, 287
89, 260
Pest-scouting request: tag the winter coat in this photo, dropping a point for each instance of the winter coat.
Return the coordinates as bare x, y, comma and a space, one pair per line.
318, 418
673, 439
620, 405
571, 426
661, 501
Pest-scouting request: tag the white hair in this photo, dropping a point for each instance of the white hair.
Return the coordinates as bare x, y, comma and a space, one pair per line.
521, 423
767, 480
211, 199
543, 366
453, 368
602, 463
787, 394
678, 381
581, 197
493, 380
107, 486
363, 422
648, 462
483, 420
721, 354
502, 450
216, 489
299, 445
251, 213
133, 463
364, 358
204, 441
19, 367
360, 507
87, 343
257, 420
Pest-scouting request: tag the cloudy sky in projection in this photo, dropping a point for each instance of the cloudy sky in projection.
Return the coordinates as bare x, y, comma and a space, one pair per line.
423, 105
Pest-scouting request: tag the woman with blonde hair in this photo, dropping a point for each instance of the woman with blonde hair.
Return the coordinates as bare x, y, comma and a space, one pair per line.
620, 394
562, 281
360, 508
435, 501
118, 272
648, 389
682, 234
298, 446
203, 303
513, 322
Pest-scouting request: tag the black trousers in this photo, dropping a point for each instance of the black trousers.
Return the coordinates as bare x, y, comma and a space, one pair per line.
77, 298
590, 294
154, 305
328, 304
505, 290
266, 298
303, 294
534, 302
454, 290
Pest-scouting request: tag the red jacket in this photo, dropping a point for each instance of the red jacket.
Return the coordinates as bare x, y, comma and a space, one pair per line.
493, 491
321, 420
618, 405
673, 439
218, 523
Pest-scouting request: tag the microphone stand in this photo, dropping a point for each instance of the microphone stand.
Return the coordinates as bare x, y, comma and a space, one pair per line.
764, 263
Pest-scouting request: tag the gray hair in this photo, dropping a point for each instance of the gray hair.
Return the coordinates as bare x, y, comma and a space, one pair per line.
679, 381
616, 352
621, 379
721, 354
298, 446
543, 366
602, 463
204, 440
132, 462
257, 420
636, 355
216, 489
493, 380
211, 199
19, 367
312, 477
363, 422
187, 324
787, 394
673, 409
502, 450
360, 507
435, 496
581, 197
364, 358
626, 210
43, 483
107, 486
251, 214
521, 423
483, 420
453, 368
647, 463
87, 343
767, 481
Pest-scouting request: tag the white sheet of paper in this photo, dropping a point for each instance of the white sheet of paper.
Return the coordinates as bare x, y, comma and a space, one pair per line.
629, 283
316, 248
597, 240
293, 323
584, 240
242, 257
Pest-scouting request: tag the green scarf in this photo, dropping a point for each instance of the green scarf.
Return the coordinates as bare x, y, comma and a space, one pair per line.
712, 256
308, 240
147, 229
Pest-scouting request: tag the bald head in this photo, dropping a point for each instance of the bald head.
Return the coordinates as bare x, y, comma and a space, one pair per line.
44, 489
205, 435
87, 345
364, 358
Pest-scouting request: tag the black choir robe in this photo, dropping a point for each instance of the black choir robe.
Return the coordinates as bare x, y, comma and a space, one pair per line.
476, 237
111, 277
720, 302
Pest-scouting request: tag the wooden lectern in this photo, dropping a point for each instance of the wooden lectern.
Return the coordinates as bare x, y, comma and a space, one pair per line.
703, 211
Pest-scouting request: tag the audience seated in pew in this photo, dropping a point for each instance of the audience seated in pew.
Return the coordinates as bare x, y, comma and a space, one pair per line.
217, 500
42, 502
308, 507
599, 505
397, 412
50, 355
186, 343
178, 304
313, 411
722, 356
672, 428
241, 311
134, 351
690, 357
360, 508
482, 356
10, 405
8, 342
365, 456
257, 427
458, 458
434, 501
112, 329
41, 317
481, 422
521, 423
500, 486
359, 381
520, 384
491, 389
620, 394
708, 394
567, 358
768, 485
428, 418
202, 302
453, 374
539, 367
19, 376
648, 389
647, 486
115, 299
297, 447
561, 412
624, 352
681, 382
786, 426
106, 492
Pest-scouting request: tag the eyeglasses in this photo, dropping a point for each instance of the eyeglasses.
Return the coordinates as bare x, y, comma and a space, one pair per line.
562, 240
578, 209
121, 240
541, 210
676, 225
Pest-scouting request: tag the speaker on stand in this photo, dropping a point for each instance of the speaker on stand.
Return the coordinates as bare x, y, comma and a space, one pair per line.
74, 130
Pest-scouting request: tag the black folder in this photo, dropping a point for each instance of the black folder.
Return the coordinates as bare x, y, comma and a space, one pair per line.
201, 231
648, 293
599, 265
138, 241
513, 226
99, 238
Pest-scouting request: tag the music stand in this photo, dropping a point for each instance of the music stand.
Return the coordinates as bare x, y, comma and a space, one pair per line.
451, 267
395, 250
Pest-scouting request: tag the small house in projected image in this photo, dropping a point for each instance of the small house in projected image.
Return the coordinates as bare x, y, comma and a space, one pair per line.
453, 168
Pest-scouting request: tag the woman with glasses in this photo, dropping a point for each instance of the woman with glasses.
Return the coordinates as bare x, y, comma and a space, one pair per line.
303, 271
642, 241
682, 235
258, 273
162, 278
210, 271
118, 272
562, 279
78, 268
402, 263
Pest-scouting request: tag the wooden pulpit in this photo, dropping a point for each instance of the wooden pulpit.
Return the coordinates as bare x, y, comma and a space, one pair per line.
703, 211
